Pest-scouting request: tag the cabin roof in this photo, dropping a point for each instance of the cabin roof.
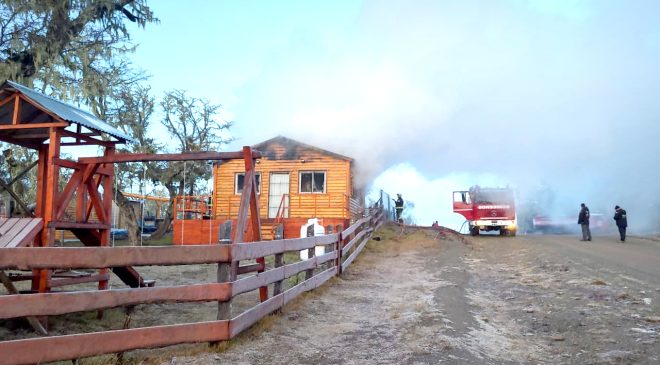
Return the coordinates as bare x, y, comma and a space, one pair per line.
293, 148
66, 112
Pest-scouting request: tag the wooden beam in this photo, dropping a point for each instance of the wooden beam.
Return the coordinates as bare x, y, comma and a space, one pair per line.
14, 196
68, 164
253, 250
248, 268
147, 197
87, 139
26, 144
42, 172
350, 244
107, 209
354, 227
82, 144
88, 211
253, 282
8, 99
254, 199
97, 202
89, 172
25, 258
54, 283
33, 135
78, 225
355, 253
47, 349
17, 111
243, 209
48, 304
67, 194
33, 126
189, 156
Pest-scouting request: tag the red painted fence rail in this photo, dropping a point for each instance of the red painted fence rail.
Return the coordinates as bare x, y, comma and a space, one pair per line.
343, 248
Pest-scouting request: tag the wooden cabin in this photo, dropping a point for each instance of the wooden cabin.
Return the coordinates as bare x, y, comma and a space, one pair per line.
295, 182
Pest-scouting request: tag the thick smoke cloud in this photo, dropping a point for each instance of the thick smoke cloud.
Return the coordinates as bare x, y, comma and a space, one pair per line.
553, 94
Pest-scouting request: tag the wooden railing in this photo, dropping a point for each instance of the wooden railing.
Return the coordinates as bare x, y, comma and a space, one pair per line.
193, 207
282, 210
342, 249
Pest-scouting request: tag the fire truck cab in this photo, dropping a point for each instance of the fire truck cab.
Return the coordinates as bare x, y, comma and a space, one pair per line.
487, 209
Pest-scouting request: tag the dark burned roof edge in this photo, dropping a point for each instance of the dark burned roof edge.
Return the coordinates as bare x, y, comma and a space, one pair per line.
119, 135
280, 137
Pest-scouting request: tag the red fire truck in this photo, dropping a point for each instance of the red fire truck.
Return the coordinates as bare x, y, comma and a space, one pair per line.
487, 209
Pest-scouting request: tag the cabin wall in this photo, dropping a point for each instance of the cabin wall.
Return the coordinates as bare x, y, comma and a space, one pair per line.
203, 232
333, 203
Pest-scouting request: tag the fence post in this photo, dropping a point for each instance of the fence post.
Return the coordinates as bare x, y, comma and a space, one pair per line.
339, 247
225, 272
311, 252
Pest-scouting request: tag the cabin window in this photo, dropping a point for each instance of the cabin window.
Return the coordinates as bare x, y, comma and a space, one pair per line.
240, 181
312, 182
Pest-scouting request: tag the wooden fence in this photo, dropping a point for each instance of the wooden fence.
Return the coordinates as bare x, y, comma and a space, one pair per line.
342, 249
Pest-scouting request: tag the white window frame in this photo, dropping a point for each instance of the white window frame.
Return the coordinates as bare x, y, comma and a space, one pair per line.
325, 181
236, 192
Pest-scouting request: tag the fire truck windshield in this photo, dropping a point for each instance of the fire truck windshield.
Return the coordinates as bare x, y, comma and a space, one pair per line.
492, 196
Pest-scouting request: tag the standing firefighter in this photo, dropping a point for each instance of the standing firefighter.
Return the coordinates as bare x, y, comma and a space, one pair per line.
621, 221
398, 205
583, 221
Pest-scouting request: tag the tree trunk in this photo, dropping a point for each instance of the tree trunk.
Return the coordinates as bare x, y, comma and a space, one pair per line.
128, 216
167, 221
163, 228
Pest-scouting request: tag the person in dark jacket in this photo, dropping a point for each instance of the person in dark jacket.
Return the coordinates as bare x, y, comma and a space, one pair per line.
583, 221
621, 221
398, 205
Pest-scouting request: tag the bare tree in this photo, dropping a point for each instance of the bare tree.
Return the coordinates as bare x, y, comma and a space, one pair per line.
194, 125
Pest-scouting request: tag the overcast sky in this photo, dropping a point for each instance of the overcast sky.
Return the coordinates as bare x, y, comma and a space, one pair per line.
434, 96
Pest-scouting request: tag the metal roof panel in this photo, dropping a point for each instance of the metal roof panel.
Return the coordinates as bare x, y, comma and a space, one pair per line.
70, 113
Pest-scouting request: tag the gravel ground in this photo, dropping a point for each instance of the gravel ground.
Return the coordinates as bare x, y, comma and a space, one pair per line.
421, 297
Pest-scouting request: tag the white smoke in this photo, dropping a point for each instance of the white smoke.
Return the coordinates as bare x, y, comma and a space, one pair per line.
560, 92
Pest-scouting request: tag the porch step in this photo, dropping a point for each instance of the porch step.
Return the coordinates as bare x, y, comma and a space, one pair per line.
267, 231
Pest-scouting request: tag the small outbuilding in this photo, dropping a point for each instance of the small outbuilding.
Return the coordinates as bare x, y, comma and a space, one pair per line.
296, 182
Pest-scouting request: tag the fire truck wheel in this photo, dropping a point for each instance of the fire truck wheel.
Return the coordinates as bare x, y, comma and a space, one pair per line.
474, 231
504, 232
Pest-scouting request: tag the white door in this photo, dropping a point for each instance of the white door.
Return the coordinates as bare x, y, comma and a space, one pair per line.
279, 185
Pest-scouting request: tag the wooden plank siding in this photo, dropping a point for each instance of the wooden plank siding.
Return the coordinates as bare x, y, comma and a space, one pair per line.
334, 203
335, 206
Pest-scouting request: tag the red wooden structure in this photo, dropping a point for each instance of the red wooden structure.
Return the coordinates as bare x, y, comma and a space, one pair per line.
36, 121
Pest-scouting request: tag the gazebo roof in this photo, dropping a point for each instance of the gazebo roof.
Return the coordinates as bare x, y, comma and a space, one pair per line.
29, 125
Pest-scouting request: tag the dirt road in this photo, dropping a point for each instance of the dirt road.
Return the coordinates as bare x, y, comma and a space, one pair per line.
419, 298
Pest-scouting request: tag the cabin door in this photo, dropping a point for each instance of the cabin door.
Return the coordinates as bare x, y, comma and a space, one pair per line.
279, 186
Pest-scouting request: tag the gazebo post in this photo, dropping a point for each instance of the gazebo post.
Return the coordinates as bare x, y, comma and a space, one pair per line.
42, 175
49, 206
107, 207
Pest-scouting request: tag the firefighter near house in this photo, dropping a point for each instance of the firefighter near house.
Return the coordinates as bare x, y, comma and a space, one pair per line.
487, 209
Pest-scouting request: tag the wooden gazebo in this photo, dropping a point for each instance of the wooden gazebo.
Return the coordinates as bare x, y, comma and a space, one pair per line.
35, 121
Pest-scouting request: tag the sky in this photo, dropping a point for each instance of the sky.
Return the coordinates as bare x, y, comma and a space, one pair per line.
552, 97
